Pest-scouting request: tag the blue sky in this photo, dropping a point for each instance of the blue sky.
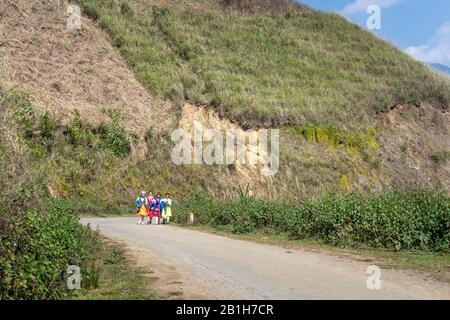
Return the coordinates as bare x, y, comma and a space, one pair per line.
419, 27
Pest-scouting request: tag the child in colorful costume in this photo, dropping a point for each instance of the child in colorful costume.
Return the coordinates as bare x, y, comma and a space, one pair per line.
149, 211
156, 209
141, 207
166, 208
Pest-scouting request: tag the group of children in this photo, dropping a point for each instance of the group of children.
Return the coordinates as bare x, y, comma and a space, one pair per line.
157, 210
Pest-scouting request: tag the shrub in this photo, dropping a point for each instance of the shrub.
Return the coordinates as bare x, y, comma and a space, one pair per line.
79, 132
441, 157
331, 137
114, 136
36, 250
46, 125
415, 220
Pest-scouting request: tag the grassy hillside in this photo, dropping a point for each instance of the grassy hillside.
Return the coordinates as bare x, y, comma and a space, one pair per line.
267, 68
319, 78
269, 65
91, 165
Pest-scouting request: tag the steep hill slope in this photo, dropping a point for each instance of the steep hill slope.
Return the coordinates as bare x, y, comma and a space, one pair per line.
279, 65
355, 113
63, 69
266, 69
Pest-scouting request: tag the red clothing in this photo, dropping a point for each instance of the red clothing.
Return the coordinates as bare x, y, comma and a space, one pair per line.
149, 209
155, 207
154, 213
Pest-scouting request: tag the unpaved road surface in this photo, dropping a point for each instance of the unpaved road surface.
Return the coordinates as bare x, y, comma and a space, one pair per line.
236, 269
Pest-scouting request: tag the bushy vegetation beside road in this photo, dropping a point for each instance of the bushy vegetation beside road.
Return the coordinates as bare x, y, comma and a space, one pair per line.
415, 220
46, 167
40, 236
37, 247
51, 173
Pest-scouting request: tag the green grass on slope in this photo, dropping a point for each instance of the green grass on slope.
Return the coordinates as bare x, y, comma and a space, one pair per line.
267, 69
87, 165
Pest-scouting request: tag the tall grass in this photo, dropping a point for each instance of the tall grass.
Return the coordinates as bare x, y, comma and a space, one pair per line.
267, 69
253, 6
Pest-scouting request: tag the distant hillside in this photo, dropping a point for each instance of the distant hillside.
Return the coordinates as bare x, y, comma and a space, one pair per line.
440, 67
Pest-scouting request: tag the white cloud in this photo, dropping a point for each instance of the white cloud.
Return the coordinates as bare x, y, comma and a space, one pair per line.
437, 50
362, 5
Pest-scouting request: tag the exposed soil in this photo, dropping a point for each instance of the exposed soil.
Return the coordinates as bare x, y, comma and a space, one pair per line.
411, 136
167, 281
246, 174
66, 69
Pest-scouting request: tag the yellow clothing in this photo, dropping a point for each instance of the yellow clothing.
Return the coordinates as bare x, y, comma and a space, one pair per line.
142, 211
167, 208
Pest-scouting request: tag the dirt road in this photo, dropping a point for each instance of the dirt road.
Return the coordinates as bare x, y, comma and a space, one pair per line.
235, 269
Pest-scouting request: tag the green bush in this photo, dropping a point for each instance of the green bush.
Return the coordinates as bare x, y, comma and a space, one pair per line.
40, 129
441, 157
46, 125
415, 220
79, 132
113, 136
36, 248
38, 238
